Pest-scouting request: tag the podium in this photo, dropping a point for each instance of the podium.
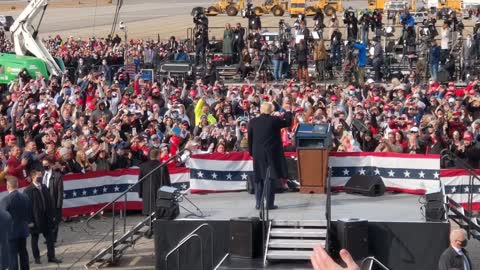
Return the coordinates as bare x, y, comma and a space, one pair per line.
313, 144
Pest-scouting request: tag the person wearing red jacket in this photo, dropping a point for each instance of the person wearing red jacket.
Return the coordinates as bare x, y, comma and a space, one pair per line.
16, 167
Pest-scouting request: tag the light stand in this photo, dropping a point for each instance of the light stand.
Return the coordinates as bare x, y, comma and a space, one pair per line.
180, 196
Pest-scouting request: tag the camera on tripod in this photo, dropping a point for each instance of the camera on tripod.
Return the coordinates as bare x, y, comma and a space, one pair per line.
199, 17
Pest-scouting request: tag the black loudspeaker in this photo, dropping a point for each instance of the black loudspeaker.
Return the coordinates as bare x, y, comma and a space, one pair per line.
352, 235
166, 206
435, 207
365, 185
245, 237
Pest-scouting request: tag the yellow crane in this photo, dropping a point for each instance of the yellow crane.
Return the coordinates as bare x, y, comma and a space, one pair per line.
229, 7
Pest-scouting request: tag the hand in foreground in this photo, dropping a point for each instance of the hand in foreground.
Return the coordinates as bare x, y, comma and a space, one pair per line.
322, 261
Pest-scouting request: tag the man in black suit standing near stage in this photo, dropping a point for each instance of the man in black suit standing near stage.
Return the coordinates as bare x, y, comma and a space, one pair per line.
18, 205
455, 256
41, 215
265, 146
53, 180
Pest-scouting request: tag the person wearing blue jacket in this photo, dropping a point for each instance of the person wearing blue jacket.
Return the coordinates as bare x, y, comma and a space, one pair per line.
362, 62
434, 60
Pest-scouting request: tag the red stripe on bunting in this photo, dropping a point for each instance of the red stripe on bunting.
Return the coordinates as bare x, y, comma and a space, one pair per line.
454, 172
381, 154
87, 209
232, 156
390, 189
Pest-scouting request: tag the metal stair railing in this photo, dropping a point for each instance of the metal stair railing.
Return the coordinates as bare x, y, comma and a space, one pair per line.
371, 262
447, 154
186, 239
124, 195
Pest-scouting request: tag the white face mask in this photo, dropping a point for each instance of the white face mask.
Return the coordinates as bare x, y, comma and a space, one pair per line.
86, 132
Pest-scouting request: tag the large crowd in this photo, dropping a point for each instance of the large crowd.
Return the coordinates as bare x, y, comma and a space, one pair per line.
100, 116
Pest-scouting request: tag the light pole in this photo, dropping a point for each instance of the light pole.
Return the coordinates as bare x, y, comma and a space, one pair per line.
123, 27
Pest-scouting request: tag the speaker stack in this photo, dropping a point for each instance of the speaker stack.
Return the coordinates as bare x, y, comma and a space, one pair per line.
166, 205
435, 207
352, 235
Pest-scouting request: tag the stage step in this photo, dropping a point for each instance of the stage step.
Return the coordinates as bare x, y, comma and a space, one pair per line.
126, 241
299, 223
298, 232
289, 254
295, 243
294, 239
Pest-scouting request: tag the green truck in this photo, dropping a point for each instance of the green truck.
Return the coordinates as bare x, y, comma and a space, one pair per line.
12, 64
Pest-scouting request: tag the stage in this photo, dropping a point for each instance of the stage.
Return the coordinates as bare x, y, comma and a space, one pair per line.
398, 234
297, 206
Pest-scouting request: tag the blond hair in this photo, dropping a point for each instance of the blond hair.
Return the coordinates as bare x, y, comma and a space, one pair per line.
266, 108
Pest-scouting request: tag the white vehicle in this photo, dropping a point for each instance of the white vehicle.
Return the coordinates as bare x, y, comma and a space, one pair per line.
419, 16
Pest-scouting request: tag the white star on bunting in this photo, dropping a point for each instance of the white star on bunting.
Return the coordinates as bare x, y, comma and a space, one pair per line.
361, 171
95, 191
421, 174
200, 174
244, 176
391, 173
229, 176
436, 175
406, 174
466, 189
377, 171
214, 175
116, 188
346, 172
84, 192
454, 189
74, 194
105, 189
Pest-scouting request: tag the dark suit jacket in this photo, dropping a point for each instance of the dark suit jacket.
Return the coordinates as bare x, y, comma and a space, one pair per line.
265, 145
5, 223
18, 205
42, 209
147, 190
451, 260
55, 188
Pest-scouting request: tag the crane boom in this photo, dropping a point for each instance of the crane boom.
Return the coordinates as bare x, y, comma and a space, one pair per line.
25, 35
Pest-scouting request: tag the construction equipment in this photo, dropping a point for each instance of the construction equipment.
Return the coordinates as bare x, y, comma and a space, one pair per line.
229, 7
26, 42
329, 7
455, 5
376, 4
279, 8
275, 7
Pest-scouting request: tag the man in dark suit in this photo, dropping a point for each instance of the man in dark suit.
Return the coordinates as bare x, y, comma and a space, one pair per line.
53, 180
41, 215
455, 256
148, 188
265, 146
5, 222
18, 205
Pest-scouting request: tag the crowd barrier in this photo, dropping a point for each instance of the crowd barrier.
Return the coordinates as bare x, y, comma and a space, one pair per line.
206, 173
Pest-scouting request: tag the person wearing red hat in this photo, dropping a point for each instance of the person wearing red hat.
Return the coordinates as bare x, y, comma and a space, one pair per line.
456, 124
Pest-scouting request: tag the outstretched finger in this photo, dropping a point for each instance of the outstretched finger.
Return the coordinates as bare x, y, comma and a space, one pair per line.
347, 258
323, 256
